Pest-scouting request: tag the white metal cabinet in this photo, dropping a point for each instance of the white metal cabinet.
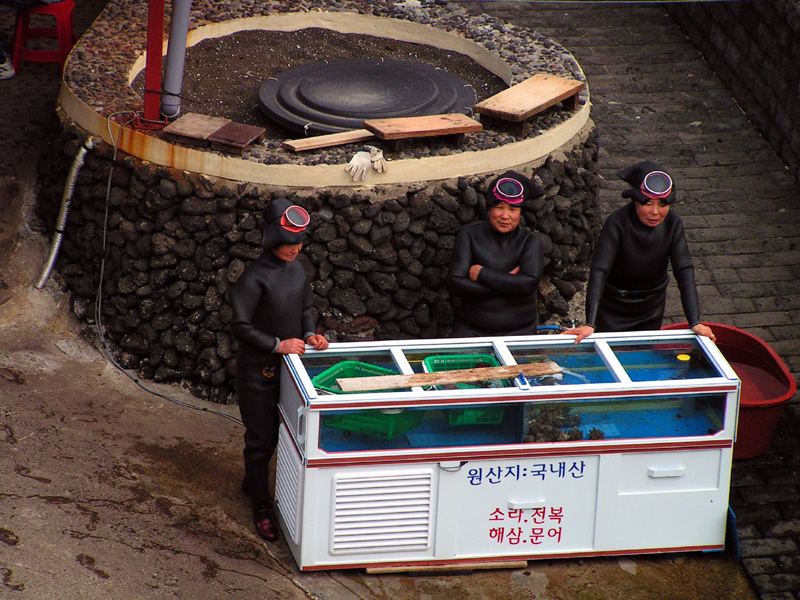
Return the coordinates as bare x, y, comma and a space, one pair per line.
468, 474
359, 516
524, 507
662, 501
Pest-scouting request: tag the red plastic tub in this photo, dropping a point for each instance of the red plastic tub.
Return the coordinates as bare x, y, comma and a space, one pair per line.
766, 386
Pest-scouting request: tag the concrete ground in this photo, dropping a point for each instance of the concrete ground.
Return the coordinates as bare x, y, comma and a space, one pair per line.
110, 491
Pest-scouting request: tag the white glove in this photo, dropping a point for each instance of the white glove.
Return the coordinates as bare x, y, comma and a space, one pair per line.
376, 156
359, 165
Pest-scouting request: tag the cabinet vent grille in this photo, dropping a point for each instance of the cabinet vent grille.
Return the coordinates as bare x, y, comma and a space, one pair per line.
288, 479
380, 513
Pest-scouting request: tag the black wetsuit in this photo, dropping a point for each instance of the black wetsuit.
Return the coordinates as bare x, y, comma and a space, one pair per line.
271, 301
627, 288
499, 303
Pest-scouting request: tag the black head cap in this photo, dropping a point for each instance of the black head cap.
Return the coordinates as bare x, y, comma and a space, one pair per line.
649, 182
513, 188
284, 223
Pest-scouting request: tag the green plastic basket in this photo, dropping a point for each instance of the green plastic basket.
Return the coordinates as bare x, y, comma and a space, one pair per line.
376, 423
476, 415
450, 362
484, 415
347, 369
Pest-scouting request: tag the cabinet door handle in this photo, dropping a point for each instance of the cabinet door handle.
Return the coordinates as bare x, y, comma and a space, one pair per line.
301, 424
518, 504
655, 472
452, 466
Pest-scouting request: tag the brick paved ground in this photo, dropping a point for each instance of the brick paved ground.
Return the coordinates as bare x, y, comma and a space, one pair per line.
654, 97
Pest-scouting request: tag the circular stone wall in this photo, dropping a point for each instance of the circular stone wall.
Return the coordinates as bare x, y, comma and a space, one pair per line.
177, 240
177, 237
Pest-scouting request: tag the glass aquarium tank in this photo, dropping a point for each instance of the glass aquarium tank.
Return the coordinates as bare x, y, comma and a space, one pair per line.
515, 409
530, 422
386, 448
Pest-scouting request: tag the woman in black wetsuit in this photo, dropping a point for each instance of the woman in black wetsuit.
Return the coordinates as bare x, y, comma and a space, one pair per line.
627, 288
272, 315
496, 266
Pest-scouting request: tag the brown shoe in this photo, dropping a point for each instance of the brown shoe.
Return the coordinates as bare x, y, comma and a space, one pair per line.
265, 526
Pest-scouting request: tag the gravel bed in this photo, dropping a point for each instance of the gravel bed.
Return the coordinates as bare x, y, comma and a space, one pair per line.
99, 67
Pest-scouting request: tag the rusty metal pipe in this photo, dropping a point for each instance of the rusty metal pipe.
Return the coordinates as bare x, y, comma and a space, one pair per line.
152, 73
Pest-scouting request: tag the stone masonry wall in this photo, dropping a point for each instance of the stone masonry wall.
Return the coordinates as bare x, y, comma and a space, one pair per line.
754, 47
175, 241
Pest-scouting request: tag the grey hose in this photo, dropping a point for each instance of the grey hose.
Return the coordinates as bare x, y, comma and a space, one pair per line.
61, 222
176, 57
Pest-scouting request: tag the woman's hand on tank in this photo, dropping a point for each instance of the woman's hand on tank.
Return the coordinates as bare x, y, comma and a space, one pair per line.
705, 330
319, 342
292, 346
579, 332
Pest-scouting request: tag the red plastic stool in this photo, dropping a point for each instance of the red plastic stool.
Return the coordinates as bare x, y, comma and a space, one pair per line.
63, 32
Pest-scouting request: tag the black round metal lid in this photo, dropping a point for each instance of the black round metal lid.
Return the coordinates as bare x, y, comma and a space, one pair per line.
329, 97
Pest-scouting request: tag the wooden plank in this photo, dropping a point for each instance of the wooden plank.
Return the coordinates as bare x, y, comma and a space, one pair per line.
519, 129
390, 382
326, 141
529, 97
427, 126
470, 566
235, 137
194, 128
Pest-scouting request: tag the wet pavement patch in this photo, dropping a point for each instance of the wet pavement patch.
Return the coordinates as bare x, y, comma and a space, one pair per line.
187, 464
89, 562
8, 537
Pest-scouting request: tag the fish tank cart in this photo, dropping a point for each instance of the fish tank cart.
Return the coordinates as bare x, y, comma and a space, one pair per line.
425, 453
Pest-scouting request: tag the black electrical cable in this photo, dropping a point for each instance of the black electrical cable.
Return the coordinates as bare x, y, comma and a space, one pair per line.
99, 299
